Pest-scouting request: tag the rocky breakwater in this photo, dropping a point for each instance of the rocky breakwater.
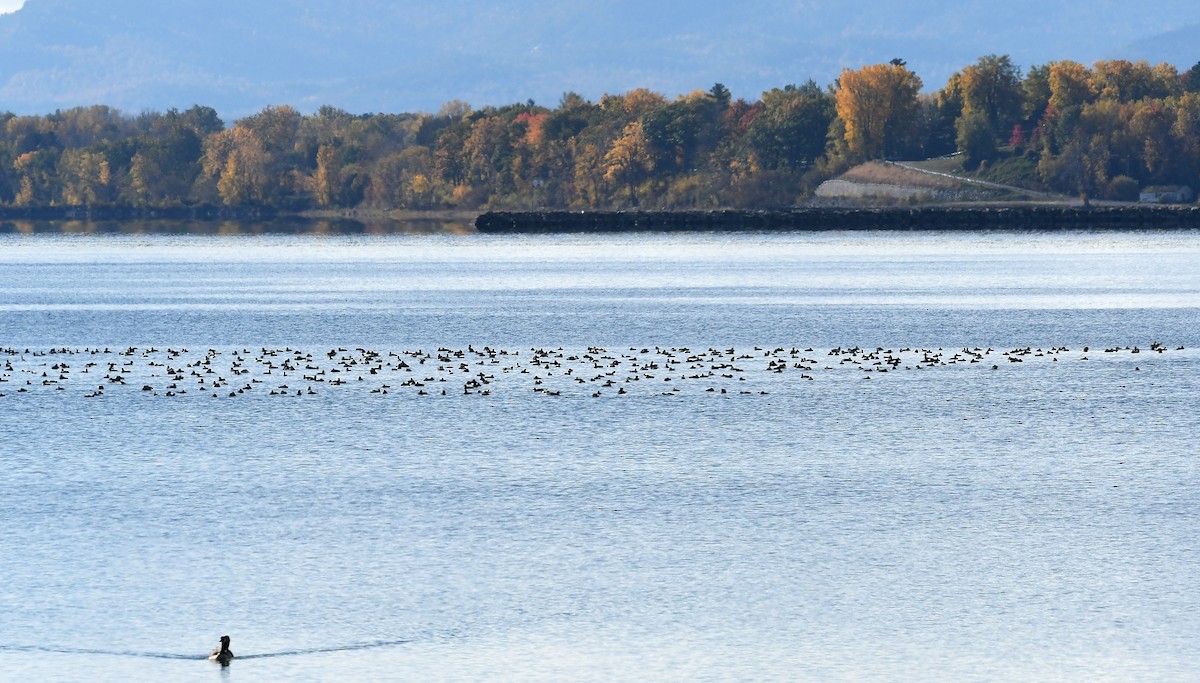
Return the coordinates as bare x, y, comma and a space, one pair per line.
816, 219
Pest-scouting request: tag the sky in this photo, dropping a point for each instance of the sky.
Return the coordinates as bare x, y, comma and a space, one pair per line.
412, 55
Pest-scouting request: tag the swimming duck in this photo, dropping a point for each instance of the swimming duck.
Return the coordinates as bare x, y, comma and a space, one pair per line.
222, 654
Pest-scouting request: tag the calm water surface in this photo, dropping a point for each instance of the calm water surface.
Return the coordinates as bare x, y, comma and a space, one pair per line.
1032, 522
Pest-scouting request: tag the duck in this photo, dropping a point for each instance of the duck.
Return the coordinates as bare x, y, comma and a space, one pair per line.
223, 655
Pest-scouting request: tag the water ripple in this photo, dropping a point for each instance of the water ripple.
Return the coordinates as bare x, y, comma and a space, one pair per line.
358, 647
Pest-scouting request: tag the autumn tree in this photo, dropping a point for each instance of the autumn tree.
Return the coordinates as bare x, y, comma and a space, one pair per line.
488, 153
1190, 80
327, 181
8, 179
632, 105
574, 115
237, 161
532, 122
30, 134
166, 157
629, 162
1071, 85
86, 126
36, 177
1035, 94
276, 130
1084, 165
1068, 170
84, 176
942, 110
1153, 126
589, 177
203, 120
450, 163
143, 186
975, 139
1126, 81
877, 105
678, 135
403, 179
790, 130
454, 110
992, 88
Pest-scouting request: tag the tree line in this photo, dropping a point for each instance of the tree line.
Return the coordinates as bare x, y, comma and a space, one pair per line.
1105, 131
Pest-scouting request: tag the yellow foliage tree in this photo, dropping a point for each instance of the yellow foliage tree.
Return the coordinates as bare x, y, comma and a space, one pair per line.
1071, 85
36, 172
85, 177
638, 102
588, 174
878, 105
420, 188
629, 161
1152, 125
483, 147
327, 180
143, 174
236, 158
1125, 81
992, 88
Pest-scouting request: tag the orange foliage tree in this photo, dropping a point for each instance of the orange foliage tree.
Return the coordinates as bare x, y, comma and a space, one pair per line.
878, 105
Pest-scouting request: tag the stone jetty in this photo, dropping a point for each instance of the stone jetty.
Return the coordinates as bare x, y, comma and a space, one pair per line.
817, 219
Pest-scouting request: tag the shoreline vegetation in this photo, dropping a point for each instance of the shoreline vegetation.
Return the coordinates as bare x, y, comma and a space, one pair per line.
1061, 133
211, 212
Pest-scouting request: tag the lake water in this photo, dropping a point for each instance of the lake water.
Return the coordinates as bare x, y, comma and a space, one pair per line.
767, 457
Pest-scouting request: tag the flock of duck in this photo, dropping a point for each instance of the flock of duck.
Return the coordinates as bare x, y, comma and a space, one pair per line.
595, 372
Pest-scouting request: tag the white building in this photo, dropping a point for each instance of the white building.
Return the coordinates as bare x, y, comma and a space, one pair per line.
1167, 194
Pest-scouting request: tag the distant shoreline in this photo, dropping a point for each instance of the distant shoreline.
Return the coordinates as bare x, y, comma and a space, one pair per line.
208, 212
927, 218
136, 213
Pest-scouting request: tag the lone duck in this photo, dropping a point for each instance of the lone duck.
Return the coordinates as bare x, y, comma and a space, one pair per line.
222, 654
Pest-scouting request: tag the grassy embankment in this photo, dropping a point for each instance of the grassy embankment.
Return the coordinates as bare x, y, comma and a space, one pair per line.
940, 182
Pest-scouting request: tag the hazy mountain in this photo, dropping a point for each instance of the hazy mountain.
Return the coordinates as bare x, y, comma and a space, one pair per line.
403, 55
1180, 47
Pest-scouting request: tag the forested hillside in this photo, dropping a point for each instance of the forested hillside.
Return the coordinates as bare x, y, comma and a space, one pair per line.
1101, 131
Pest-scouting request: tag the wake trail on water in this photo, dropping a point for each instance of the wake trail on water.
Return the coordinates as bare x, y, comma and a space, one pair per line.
86, 651
375, 645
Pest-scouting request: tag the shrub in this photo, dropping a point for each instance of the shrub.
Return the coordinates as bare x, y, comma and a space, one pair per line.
975, 140
1123, 188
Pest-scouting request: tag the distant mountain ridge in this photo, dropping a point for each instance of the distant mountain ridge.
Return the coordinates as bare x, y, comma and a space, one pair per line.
403, 55
1178, 47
